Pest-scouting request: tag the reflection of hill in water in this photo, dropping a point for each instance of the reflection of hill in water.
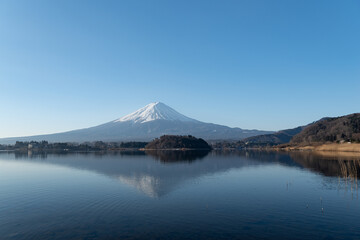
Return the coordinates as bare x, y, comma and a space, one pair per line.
161, 173
177, 156
345, 165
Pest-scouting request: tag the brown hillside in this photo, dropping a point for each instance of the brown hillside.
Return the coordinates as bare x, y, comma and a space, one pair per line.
346, 128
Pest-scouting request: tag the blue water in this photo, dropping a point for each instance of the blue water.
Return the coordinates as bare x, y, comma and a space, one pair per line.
240, 195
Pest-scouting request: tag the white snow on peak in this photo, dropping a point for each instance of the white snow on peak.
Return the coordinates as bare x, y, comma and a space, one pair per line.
155, 111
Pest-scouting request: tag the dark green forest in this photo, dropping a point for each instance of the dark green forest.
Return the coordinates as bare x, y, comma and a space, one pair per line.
178, 142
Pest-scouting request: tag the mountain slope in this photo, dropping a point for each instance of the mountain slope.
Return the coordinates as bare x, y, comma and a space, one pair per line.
280, 137
145, 124
345, 128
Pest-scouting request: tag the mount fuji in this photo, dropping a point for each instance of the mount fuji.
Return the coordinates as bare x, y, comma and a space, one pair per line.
145, 124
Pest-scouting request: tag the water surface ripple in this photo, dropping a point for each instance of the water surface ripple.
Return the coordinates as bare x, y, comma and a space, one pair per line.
233, 195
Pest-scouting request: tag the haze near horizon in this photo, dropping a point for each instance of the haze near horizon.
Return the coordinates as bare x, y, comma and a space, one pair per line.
252, 64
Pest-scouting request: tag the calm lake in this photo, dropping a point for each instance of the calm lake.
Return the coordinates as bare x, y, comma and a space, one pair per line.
179, 195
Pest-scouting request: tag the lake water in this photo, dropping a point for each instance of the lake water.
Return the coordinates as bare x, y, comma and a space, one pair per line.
179, 195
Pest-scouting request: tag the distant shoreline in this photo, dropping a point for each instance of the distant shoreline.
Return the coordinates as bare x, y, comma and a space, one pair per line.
325, 147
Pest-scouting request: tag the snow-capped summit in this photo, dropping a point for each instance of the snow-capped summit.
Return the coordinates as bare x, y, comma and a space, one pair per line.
155, 111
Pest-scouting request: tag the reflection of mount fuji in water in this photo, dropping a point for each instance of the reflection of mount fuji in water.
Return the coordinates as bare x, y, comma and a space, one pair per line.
167, 171
155, 175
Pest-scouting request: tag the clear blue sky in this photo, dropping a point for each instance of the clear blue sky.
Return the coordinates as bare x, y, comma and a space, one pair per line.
252, 64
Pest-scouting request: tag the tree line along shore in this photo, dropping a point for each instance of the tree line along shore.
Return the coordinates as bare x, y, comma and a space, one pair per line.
166, 142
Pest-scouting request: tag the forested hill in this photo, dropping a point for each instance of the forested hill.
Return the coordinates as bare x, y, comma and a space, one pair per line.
178, 142
345, 128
